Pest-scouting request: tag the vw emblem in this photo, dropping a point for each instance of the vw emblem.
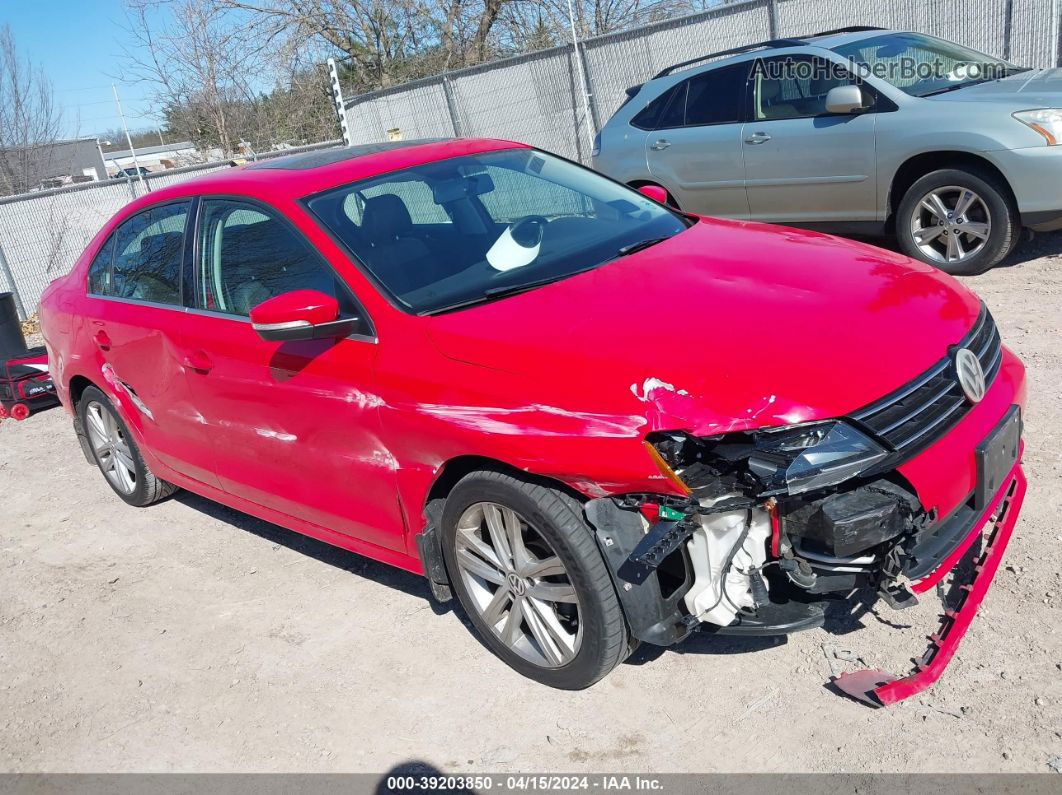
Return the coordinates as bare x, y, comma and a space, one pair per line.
971, 376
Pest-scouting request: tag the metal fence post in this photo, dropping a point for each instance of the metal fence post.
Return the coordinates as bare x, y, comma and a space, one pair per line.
772, 19
1008, 22
5, 268
451, 106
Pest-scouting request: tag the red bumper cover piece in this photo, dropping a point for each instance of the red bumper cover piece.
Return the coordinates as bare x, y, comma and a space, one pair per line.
876, 687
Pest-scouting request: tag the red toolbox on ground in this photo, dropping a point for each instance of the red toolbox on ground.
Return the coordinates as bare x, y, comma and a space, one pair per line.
25, 385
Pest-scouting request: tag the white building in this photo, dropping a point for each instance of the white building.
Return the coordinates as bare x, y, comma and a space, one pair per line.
154, 158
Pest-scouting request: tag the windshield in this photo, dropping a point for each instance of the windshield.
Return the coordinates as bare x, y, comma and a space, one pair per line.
921, 65
467, 229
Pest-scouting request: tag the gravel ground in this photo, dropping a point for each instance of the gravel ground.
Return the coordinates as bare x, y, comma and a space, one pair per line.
188, 637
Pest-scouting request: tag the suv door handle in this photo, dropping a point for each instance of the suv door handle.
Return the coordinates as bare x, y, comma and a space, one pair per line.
661, 143
103, 342
758, 138
199, 362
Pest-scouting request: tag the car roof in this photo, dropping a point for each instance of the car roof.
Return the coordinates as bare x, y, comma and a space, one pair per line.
772, 48
295, 176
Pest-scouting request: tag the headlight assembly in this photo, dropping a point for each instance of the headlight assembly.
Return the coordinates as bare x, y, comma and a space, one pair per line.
790, 460
1046, 121
809, 457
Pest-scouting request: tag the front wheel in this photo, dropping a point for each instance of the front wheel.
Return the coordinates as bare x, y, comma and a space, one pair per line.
961, 221
527, 571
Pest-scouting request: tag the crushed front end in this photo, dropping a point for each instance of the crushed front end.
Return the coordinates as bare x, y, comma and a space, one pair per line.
773, 522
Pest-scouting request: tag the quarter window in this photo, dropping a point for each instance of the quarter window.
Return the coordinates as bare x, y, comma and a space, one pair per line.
99, 276
247, 256
142, 258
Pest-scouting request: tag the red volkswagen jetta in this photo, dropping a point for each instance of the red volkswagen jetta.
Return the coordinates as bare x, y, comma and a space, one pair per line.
595, 419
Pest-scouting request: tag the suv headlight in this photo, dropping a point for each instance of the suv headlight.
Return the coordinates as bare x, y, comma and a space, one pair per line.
1046, 121
808, 457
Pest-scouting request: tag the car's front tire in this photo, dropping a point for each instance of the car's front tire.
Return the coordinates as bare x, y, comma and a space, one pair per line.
527, 570
116, 453
961, 220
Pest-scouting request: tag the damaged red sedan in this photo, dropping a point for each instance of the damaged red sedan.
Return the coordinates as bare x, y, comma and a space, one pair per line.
595, 420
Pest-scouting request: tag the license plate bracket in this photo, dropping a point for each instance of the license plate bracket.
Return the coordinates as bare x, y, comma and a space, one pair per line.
996, 456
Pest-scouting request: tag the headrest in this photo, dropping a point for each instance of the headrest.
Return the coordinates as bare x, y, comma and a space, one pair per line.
770, 89
385, 218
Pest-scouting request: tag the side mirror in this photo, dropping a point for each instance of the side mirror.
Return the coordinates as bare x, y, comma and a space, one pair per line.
844, 99
654, 192
300, 315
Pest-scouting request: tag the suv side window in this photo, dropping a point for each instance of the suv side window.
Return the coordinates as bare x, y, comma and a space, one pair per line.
795, 87
142, 259
713, 97
248, 255
717, 96
667, 110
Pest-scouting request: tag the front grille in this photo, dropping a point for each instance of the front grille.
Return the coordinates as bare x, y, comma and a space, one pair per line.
916, 415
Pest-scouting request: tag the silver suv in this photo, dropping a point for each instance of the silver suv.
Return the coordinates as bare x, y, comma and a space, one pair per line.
857, 131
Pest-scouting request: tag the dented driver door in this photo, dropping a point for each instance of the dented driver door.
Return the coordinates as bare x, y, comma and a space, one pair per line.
295, 425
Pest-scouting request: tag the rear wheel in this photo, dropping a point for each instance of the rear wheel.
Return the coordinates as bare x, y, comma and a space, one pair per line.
116, 454
528, 573
962, 221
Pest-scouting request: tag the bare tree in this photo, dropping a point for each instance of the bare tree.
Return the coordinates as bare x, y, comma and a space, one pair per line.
200, 62
29, 118
386, 41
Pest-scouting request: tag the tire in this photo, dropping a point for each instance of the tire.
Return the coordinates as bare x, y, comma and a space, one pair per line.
116, 453
590, 620
993, 206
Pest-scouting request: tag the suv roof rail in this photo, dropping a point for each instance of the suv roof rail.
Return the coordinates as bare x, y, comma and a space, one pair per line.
849, 29
769, 44
789, 41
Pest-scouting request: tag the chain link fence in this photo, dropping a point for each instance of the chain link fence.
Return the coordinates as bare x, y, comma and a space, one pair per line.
42, 234
538, 98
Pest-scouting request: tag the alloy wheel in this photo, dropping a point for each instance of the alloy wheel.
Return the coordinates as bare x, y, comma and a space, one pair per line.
111, 447
951, 224
518, 585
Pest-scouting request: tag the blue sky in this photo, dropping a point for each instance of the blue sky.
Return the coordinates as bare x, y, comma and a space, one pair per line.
79, 44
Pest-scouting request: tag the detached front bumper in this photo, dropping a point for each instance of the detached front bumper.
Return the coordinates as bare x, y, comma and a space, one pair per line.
881, 689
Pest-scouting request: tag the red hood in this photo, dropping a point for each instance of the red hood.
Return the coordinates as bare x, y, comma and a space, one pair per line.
726, 326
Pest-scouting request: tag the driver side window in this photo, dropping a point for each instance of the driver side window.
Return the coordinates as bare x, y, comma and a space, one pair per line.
247, 256
795, 87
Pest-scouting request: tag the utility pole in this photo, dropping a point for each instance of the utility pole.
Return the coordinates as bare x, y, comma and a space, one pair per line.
590, 133
128, 139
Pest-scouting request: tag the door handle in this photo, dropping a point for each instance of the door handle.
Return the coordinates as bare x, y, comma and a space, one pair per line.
659, 144
758, 138
103, 342
199, 362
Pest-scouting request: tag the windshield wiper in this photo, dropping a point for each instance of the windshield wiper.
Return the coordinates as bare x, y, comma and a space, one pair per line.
502, 291
640, 245
1017, 70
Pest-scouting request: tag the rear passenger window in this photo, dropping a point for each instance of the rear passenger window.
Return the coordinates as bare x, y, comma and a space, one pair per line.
248, 256
667, 110
714, 97
718, 96
147, 253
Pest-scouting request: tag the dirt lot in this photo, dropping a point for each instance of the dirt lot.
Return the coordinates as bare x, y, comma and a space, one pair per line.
188, 637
